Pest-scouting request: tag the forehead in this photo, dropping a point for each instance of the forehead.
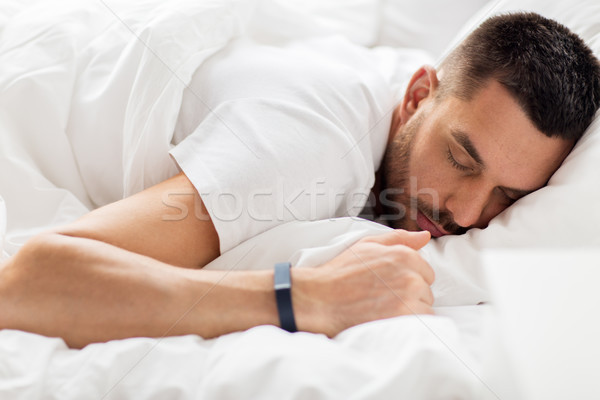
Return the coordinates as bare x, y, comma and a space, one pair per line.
513, 150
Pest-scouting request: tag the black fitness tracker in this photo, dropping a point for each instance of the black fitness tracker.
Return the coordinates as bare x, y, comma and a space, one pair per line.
283, 296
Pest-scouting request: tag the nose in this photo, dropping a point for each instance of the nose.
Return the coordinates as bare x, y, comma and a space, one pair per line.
467, 205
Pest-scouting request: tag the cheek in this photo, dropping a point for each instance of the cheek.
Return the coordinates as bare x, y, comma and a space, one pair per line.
429, 169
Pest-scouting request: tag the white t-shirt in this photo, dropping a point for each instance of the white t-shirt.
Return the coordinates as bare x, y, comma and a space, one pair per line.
271, 134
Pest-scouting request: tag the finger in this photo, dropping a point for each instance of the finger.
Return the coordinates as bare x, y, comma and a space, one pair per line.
427, 296
416, 308
427, 272
414, 240
416, 263
419, 282
424, 309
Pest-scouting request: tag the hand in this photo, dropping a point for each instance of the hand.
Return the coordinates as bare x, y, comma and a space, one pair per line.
378, 277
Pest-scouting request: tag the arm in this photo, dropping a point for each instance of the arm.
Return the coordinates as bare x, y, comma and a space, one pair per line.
167, 222
113, 275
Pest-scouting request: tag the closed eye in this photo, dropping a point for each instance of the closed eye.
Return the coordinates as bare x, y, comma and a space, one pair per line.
455, 163
516, 195
512, 195
508, 198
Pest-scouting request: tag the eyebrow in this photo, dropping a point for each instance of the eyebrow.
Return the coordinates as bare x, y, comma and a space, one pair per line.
463, 139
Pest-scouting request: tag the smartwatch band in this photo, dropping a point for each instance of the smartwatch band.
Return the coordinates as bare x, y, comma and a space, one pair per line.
283, 296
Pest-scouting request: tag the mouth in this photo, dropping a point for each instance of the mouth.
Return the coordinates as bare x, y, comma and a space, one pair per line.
428, 225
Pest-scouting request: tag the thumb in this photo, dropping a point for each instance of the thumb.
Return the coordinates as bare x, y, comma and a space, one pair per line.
414, 240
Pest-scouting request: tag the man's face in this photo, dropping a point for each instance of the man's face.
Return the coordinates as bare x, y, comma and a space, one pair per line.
453, 164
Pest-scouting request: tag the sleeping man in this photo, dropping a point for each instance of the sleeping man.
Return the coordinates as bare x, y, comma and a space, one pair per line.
491, 125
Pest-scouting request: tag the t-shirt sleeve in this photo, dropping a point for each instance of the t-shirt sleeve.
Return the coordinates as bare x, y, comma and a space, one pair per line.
257, 163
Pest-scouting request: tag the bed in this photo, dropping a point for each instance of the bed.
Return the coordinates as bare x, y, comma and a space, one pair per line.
92, 59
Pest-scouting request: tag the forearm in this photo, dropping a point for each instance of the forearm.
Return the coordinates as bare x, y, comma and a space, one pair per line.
87, 291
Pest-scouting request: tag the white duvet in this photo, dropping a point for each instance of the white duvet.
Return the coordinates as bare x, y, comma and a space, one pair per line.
414, 357
90, 71
114, 70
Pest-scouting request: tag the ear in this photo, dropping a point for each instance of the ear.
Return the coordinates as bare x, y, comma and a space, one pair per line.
422, 85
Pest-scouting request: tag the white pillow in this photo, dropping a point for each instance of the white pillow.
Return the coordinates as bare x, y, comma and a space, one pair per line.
357, 20
427, 24
563, 214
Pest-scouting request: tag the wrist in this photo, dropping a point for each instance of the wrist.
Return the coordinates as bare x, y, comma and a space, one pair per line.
233, 301
309, 310
283, 297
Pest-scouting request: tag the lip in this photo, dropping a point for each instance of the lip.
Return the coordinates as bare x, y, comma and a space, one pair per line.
427, 225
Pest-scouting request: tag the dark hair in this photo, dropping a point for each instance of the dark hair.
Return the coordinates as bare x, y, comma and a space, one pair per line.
548, 69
